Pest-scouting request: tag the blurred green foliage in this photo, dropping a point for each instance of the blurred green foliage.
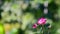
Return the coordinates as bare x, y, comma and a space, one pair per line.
29, 15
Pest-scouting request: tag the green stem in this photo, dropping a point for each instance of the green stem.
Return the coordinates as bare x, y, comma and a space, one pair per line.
43, 28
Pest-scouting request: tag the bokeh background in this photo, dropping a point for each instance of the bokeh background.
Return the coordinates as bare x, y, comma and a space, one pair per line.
18, 16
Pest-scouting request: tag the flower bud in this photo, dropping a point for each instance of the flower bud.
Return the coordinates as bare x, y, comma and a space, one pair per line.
35, 25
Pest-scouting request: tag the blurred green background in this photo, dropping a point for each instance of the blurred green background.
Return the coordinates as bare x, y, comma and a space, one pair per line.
18, 16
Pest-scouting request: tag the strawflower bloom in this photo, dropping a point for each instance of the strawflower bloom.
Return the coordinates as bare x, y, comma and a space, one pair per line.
34, 26
42, 21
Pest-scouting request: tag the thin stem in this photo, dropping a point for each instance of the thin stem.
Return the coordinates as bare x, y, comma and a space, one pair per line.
48, 31
43, 28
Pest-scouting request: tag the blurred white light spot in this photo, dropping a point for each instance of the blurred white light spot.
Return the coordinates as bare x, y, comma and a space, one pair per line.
49, 21
58, 31
7, 32
29, 32
46, 3
45, 11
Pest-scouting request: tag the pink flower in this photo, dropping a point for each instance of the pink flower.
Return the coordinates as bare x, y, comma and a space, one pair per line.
42, 21
35, 26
